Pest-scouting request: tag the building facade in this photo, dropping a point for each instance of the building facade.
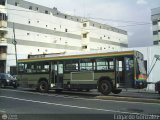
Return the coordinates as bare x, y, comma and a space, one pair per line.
42, 30
156, 25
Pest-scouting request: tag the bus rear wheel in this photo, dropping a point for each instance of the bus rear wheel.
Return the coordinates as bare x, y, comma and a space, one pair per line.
117, 91
105, 87
43, 87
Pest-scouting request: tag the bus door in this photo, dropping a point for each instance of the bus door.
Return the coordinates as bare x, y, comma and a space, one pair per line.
129, 72
120, 80
57, 75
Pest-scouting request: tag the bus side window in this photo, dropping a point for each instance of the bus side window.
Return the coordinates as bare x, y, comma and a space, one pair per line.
71, 66
102, 64
111, 65
87, 64
30, 68
21, 68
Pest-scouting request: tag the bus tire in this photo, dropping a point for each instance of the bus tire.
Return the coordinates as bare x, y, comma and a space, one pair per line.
117, 91
105, 87
43, 87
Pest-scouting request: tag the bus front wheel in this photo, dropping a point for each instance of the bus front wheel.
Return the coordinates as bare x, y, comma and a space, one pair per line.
43, 87
105, 87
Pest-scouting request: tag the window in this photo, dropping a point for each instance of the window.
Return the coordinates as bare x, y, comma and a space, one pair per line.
84, 25
30, 7
29, 22
28, 33
21, 68
16, 4
87, 64
46, 25
66, 30
154, 22
71, 66
3, 49
155, 43
43, 67
30, 68
111, 65
102, 64
155, 32
84, 47
46, 12
37, 8
2, 2
65, 17
54, 28
2, 35
85, 35
3, 16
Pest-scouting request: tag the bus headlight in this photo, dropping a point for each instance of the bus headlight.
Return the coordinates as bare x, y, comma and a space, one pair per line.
7, 80
52, 85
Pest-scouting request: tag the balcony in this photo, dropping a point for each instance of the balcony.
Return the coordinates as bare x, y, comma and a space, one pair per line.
3, 56
3, 24
3, 40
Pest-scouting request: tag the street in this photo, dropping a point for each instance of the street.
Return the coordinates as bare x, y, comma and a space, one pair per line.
30, 102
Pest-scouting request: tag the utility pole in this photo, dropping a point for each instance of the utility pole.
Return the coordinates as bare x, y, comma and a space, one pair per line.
15, 46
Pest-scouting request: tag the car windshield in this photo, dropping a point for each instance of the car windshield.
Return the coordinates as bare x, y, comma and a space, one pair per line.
141, 66
8, 76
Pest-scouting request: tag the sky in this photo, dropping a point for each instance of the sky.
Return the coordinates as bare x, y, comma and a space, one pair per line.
134, 16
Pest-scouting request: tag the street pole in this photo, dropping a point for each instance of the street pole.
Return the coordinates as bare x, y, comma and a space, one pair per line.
15, 46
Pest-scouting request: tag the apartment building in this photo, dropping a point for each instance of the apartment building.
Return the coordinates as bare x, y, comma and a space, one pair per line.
43, 30
156, 25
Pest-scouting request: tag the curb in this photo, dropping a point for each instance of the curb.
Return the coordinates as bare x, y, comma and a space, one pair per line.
129, 99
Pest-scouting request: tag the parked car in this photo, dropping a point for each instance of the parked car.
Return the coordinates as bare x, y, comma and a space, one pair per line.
8, 80
157, 86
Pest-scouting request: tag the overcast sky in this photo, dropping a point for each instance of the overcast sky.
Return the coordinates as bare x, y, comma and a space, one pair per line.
134, 16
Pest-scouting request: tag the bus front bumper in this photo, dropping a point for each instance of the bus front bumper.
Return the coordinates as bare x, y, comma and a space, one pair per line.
140, 84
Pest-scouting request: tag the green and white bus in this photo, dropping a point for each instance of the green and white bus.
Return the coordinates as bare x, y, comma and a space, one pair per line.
107, 71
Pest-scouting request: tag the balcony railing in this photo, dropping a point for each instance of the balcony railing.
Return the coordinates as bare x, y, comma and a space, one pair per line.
3, 40
3, 24
3, 56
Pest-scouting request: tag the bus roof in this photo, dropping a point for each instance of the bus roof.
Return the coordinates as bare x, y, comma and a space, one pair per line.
78, 56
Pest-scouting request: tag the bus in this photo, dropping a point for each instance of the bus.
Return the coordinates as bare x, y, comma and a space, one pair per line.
105, 71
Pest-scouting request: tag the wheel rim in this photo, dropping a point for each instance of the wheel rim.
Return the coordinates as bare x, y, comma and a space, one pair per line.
42, 86
104, 87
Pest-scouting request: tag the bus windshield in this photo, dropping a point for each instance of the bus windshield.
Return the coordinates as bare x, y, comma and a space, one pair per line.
141, 67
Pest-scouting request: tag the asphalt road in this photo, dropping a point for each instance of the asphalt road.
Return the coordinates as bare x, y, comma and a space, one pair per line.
23, 103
